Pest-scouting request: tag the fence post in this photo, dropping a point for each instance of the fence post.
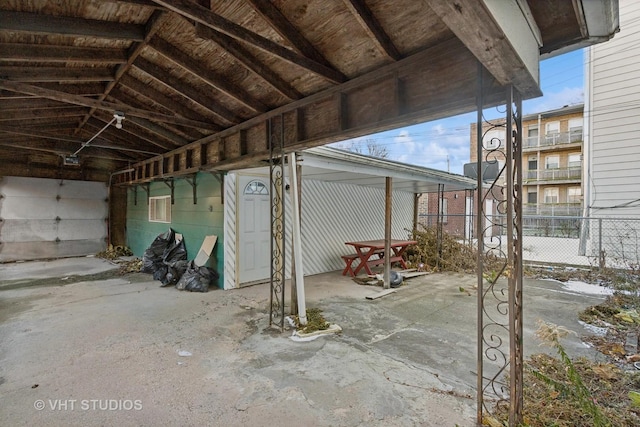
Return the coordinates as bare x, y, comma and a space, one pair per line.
600, 253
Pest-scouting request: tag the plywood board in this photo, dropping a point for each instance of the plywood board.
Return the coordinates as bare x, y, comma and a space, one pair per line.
205, 250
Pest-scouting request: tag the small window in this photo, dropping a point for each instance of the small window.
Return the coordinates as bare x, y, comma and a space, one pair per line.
160, 209
552, 162
532, 197
575, 130
533, 163
551, 195
575, 160
574, 195
255, 187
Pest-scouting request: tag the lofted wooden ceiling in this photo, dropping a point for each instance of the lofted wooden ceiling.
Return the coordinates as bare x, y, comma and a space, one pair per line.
205, 85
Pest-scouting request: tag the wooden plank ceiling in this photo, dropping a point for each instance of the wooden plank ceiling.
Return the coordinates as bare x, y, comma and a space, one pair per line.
204, 85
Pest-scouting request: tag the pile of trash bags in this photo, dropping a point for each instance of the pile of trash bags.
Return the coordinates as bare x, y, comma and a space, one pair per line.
166, 259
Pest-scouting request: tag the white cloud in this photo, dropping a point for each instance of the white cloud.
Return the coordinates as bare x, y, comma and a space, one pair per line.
408, 144
555, 100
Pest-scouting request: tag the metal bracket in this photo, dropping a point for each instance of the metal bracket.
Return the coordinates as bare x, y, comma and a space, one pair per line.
192, 182
219, 176
169, 183
146, 189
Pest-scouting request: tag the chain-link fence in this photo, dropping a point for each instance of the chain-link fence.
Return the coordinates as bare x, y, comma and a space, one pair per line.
573, 240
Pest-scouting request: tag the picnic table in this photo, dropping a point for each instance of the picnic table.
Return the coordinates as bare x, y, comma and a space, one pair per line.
370, 253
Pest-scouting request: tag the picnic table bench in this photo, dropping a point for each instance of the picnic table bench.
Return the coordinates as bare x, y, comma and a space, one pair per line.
370, 253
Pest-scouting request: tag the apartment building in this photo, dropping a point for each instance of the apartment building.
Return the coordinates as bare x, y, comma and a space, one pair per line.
551, 159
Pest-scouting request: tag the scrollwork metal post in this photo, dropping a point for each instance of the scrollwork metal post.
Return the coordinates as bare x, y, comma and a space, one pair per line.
500, 307
276, 178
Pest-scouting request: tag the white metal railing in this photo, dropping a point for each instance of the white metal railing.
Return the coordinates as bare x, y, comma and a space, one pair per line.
552, 139
554, 174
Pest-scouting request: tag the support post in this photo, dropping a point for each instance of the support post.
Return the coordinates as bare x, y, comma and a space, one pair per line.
387, 233
297, 241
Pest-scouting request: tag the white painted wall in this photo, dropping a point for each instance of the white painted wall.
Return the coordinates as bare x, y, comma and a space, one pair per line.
47, 218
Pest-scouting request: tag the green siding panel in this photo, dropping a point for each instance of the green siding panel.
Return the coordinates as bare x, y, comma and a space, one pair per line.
193, 221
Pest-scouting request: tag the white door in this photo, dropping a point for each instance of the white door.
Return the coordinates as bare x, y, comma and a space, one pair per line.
488, 215
254, 232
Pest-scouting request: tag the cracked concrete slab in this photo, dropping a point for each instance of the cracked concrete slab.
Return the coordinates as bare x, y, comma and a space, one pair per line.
403, 360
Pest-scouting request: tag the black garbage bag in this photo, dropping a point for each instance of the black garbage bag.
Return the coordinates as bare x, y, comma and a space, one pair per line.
153, 255
197, 279
174, 273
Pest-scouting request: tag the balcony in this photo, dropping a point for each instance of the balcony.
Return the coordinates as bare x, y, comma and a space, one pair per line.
552, 209
565, 174
553, 139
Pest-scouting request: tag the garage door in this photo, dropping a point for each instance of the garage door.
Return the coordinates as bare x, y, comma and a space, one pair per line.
47, 218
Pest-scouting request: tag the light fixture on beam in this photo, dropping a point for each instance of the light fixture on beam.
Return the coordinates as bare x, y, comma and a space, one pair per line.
119, 117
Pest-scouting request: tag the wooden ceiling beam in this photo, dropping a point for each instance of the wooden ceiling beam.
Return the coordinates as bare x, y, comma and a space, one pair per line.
55, 74
65, 148
132, 128
151, 27
63, 25
233, 91
35, 113
286, 30
246, 58
204, 16
79, 88
100, 105
371, 25
47, 53
157, 97
187, 91
30, 102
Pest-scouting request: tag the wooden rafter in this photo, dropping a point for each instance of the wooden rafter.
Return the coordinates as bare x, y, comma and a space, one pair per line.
249, 60
49, 24
100, 105
150, 29
37, 52
185, 90
362, 13
287, 31
55, 74
204, 16
183, 60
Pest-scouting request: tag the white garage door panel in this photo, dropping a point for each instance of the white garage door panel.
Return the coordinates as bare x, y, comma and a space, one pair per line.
81, 209
46, 218
80, 190
28, 230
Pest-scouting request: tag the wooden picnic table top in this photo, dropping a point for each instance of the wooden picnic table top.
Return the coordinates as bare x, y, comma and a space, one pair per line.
380, 243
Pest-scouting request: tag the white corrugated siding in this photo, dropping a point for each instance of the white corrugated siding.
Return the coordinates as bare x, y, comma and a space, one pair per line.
48, 218
331, 215
336, 213
614, 109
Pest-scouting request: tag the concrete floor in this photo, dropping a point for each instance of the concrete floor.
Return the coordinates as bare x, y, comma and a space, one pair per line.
106, 351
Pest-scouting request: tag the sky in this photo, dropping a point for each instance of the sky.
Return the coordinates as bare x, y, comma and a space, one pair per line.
445, 144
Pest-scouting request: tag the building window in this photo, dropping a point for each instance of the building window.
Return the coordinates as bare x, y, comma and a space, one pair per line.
255, 187
532, 197
575, 160
533, 163
552, 133
575, 130
574, 195
160, 209
552, 162
551, 195
532, 136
